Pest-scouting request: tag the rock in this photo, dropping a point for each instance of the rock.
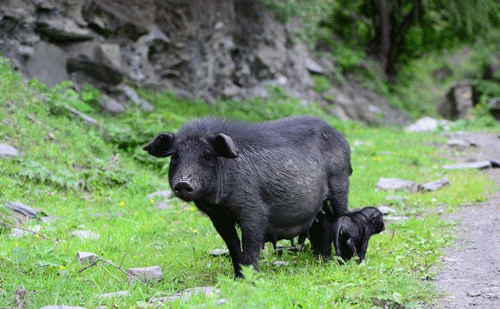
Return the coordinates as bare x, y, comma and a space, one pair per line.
460, 100
458, 143
82, 115
94, 68
134, 97
22, 209
426, 124
48, 64
386, 210
471, 165
111, 105
149, 274
109, 54
62, 307
48, 219
435, 185
85, 235
86, 257
16, 232
114, 294
114, 18
163, 194
63, 30
219, 252
395, 218
186, 294
397, 184
313, 67
494, 104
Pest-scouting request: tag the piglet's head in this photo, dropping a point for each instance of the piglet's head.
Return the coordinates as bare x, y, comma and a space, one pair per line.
194, 172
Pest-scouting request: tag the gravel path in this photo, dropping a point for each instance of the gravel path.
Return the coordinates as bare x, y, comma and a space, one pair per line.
471, 272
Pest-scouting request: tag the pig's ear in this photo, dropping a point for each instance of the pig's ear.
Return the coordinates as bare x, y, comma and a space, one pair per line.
224, 146
161, 145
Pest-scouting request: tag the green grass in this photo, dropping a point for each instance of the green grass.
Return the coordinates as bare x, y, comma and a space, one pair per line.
97, 178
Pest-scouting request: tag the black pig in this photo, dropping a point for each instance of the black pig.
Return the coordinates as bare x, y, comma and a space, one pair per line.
271, 178
352, 231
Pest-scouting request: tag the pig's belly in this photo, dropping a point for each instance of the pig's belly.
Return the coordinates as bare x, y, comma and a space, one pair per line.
287, 232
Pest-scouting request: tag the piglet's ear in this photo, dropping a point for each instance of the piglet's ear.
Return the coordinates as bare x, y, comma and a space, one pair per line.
161, 145
224, 146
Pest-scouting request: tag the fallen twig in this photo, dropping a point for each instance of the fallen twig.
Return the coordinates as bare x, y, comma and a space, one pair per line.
132, 277
24, 229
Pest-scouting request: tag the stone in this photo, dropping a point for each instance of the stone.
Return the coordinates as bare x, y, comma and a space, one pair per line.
114, 18
63, 30
186, 294
134, 97
459, 101
47, 64
62, 307
48, 219
426, 124
85, 235
494, 103
109, 53
86, 257
397, 184
22, 209
114, 294
16, 232
163, 194
435, 185
94, 68
386, 210
219, 252
395, 218
111, 105
458, 143
82, 115
149, 274
470, 165
313, 67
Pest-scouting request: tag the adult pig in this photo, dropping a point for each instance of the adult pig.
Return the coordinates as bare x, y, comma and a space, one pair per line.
271, 178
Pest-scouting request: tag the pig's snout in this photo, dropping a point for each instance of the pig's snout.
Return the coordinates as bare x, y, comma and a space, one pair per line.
184, 190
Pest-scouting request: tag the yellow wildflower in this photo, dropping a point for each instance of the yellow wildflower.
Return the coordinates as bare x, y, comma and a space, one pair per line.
121, 203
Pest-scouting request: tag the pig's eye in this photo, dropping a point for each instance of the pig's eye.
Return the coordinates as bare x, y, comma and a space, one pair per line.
207, 156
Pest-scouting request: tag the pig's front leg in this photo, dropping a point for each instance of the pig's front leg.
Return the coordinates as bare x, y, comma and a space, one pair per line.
227, 231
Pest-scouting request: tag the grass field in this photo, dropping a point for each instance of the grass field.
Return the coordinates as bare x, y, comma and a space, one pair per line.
97, 178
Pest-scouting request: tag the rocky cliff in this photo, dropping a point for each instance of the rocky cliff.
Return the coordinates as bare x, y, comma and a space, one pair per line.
227, 49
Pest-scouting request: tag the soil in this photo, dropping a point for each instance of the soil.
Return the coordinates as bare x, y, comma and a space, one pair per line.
470, 274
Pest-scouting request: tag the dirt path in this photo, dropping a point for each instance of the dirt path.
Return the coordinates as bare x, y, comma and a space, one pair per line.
471, 273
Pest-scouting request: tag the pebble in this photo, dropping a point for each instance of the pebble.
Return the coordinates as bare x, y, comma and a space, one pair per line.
85, 235
62, 307
86, 257
114, 294
186, 294
435, 185
470, 165
8, 151
397, 184
386, 210
150, 274
218, 252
